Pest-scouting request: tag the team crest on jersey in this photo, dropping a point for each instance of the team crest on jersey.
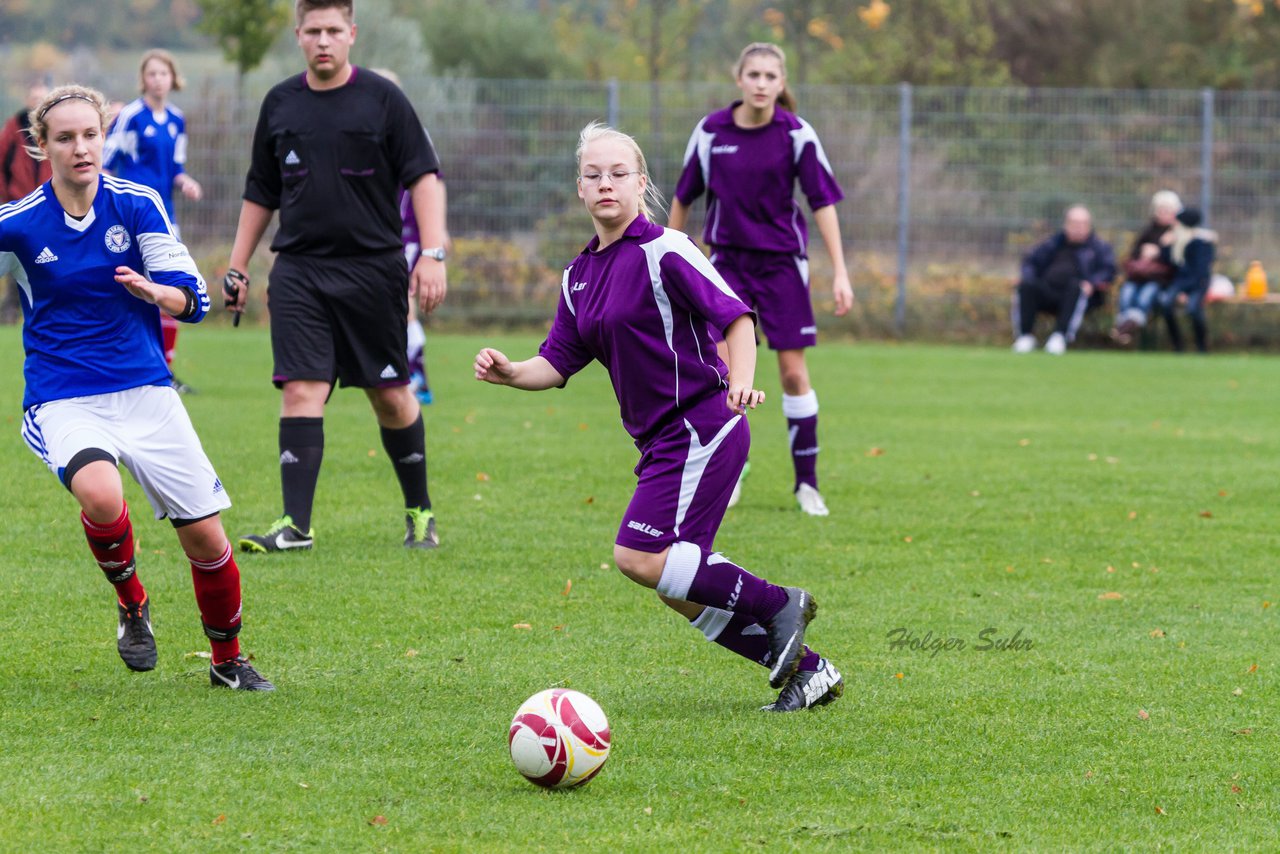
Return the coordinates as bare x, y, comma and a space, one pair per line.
118, 239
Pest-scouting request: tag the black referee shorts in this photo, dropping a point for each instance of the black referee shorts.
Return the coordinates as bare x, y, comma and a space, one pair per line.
340, 319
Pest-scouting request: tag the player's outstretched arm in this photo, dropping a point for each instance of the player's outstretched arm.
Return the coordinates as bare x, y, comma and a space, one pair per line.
536, 374
170, 300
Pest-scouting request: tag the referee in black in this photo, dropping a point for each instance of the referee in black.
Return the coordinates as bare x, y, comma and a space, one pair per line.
331, 150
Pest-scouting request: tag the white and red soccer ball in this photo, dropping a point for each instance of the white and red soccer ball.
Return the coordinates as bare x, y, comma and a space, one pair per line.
559, 738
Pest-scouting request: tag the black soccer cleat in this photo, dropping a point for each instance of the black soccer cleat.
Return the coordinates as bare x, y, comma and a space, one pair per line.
809, 688
282, 536
420, 529
786, 634
134, 638
238, 674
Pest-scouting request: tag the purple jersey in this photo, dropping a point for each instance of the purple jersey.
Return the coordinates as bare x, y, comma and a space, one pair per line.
642, 306
749, 176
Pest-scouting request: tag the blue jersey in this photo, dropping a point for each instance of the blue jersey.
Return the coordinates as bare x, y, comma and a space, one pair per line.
83, 332
149, 147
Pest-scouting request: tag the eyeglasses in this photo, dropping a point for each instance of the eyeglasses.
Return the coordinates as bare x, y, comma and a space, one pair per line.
617, 176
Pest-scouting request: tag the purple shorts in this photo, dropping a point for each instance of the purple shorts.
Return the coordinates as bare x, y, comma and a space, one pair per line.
776, 285
686, 476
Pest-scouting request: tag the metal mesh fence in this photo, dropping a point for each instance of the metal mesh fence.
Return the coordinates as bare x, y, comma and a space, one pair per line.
945, 187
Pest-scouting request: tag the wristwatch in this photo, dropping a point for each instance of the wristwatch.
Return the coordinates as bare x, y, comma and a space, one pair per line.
438, 253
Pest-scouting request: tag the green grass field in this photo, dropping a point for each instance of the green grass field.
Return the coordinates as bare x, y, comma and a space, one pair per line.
1117, 510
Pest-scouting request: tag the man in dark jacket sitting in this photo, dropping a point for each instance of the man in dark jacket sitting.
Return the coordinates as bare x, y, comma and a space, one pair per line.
1058, 277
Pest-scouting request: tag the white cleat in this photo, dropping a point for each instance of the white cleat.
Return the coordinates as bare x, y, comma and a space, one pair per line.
1024, 344
737, 487
810, 501
1056, 345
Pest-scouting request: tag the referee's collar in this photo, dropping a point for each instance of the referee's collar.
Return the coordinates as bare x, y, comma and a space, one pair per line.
355, 69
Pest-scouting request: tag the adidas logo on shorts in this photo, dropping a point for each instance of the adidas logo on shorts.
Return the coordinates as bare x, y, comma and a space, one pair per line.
389, 373
46, 255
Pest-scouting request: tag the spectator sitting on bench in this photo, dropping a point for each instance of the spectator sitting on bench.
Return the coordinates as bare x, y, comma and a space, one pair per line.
1059, 276
1191, 249
1145, 273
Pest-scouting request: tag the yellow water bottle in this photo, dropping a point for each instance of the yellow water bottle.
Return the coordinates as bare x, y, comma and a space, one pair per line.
1255, 281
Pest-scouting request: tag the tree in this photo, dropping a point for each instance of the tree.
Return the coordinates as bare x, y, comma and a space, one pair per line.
245, 30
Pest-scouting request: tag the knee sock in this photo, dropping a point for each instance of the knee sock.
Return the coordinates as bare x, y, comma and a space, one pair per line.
743, 636
417, 340
169, 335
802, 431
301, 452
708, 578
217, 584
112, 547
407, 448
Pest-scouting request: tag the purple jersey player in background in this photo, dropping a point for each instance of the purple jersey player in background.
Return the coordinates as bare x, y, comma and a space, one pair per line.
747, 158
643, 301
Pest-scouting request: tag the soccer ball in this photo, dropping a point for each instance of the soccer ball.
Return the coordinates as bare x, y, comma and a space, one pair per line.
559, 738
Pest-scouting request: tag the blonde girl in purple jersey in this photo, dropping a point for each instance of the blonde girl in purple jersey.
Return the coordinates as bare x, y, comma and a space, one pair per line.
642, 300
748, 159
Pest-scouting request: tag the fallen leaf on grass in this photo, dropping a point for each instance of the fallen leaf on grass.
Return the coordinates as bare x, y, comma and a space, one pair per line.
1239, 692
1157, 633
975, 493
1206, 514
591, 499
1222, 493
1113, 460
1143, 715
568, 585
1111, 594
1110, 568
1235, 790
582, 426
410, 653
1093, 458
604, 566
372, 452
1266, 605
521, 626
1253, 668
1160, 811
906, 539
1133, 514
198, 654
220, 819
1245, 731
1088, 774
378, 820
648, 810
876, 452
482, 476
1022, 443
897, 676
305, 785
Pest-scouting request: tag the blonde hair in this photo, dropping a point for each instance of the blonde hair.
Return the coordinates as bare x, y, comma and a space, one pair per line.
165, 57
651, 198
1167, 200
302, 8
785, 98
39, 129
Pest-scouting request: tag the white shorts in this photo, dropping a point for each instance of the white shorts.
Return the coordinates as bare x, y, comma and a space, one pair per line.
148, 430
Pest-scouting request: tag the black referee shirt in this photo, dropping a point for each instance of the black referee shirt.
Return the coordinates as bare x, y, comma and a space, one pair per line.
332, 162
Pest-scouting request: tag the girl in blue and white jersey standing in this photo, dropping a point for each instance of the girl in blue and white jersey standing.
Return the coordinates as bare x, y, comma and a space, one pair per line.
98, 262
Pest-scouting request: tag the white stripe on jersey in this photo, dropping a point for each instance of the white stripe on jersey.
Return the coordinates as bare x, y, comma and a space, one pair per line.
121, 139
804, 135
9, 263
27, 202
678, 243
564, 287
120, 185
180, 149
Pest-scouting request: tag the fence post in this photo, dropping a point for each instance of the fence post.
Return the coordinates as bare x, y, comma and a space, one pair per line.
904, 204
1206, 152
612, 109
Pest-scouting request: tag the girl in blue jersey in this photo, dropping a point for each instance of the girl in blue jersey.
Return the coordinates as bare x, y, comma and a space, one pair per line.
148, 144
642, 300
97, 261
748, 159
